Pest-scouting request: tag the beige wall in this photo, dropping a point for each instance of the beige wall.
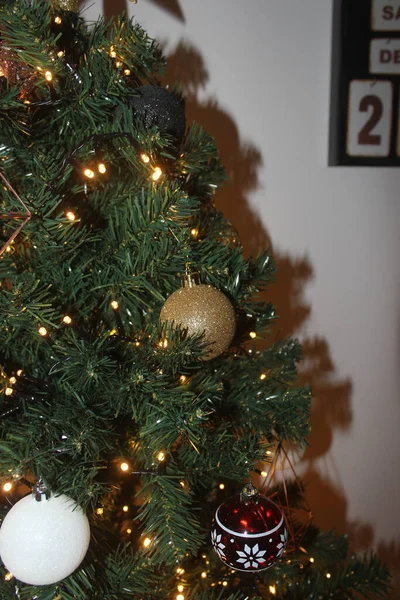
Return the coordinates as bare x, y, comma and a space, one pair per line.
258, 74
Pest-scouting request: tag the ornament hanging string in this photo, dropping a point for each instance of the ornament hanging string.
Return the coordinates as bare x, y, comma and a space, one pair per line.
13, 216
295, 539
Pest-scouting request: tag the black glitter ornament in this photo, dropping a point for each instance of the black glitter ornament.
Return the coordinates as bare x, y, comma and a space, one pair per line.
154, 105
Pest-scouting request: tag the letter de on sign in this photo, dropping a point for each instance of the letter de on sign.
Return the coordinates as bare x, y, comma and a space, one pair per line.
384, 56
385, 15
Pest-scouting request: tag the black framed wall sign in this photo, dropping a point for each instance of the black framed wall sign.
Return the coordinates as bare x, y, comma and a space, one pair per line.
365, 92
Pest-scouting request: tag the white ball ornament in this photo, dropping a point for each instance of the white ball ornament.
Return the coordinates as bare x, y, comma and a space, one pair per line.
42, 542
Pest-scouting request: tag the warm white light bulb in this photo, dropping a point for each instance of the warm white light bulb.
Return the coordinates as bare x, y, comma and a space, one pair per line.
156, 174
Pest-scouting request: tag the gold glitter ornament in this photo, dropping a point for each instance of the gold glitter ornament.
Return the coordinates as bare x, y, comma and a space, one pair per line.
16, 72
202, 309
70, 5
229, 236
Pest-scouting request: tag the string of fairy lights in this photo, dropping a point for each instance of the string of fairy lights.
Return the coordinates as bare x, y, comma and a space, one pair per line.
113, 51
156, 174
147, 541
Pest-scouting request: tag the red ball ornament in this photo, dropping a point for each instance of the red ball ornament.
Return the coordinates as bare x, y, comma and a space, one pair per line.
249, 531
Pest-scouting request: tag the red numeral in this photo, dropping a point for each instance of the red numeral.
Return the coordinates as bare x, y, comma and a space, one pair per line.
365, 137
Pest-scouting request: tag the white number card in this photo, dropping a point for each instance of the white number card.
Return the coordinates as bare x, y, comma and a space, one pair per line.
386, 15
369, 118
384, 56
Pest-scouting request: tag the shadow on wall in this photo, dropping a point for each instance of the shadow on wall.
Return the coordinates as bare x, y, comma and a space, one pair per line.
331, 408
331, 397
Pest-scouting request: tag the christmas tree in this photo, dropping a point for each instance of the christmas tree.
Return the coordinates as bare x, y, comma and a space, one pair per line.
142, 384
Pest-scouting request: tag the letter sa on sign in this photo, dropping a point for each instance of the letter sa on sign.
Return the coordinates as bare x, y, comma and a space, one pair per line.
386, 15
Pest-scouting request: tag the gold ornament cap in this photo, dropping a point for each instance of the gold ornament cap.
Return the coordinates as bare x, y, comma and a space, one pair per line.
190, 279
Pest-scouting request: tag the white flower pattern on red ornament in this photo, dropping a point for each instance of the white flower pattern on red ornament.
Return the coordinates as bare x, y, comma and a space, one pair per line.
251, 557
282, 544
218, 546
